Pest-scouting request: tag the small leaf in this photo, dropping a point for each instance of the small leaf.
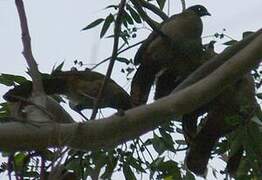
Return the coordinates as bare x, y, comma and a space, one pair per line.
189, 176
158, 144
112, 6
10, 80
109, 19
19, 161
128, 18
180, 142
134, 14
230, 43
169, 168
93, 24
259, 95
129, 175
161, 3
59, 67
135, 164
109, 169
179, 130
123, 60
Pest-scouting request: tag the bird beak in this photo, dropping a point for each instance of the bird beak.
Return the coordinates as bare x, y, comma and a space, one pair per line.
208, 14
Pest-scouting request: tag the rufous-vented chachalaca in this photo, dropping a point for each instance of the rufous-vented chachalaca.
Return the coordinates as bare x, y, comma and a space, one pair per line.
235, 103
80, 87
157, 52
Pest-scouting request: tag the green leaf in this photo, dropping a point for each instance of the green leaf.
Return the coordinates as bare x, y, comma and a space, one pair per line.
161, 3
109, 19
167, 139
93, 24
19, 160
181, 142
158, 144
134, 14
135, 164
128, 18
111, 6
189, 176
169, 168
128, 173
123, 60
230, 43
110, 166
236, 141
259, 95
10, 80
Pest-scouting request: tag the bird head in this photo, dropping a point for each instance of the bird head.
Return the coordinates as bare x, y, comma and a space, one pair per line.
199, 10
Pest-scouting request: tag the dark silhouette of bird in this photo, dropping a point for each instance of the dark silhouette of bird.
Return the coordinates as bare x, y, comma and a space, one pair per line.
166, 82
180, 44
80, 87
235, 103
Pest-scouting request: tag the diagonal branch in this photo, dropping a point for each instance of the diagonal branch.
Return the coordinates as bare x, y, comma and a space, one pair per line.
119, 52
27, 52
114, 56
111, 131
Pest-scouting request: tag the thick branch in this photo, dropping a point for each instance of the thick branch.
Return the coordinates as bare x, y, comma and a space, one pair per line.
27, 52
114, 130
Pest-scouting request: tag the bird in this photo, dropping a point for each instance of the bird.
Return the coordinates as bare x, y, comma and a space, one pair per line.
80, 87
166, 82
180, 44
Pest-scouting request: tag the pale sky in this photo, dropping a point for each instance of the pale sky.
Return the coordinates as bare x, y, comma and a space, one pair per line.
55, 27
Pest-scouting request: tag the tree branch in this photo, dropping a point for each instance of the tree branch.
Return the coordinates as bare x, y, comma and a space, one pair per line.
111, 131
27, 52
118, 52
114, 56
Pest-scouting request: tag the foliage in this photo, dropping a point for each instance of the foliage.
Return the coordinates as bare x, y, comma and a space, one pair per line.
154, 156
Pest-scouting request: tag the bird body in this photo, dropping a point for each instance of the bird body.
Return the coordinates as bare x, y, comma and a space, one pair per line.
80, 87
182, 45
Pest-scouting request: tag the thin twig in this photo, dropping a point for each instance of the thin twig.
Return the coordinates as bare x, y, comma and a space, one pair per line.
114, 56
119, 52
27, 51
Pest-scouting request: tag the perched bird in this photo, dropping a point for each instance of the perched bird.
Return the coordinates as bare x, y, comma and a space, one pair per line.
181, 44
80, 87
229, 110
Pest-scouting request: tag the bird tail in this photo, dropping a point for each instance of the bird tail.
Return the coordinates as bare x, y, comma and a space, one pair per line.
51, 86
199, 153
141, 84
